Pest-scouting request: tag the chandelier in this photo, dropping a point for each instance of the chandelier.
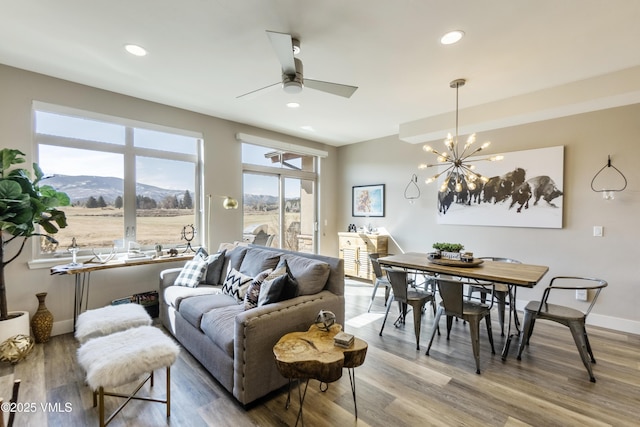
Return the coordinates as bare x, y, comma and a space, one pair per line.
458, 166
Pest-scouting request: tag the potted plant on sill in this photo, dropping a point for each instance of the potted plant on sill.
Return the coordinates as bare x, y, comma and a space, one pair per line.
24, 205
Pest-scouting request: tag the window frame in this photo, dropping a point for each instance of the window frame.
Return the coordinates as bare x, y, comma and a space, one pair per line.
129, 152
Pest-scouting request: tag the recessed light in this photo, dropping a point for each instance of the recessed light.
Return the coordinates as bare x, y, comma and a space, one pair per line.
293, 104
136, 50
307, 128
452, 37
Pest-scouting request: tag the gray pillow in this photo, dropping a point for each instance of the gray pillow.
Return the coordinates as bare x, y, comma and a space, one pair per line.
270, 290
257, 260
311, 274
214, 270
191, 273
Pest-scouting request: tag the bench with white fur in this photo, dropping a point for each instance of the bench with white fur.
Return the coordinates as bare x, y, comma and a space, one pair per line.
123, 357
107, 320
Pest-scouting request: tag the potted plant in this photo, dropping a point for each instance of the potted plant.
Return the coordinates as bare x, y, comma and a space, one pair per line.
24, 205
448, 250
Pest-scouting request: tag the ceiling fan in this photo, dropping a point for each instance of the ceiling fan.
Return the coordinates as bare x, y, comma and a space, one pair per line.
293, 80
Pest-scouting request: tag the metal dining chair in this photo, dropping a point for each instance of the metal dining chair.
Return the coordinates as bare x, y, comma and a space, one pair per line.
568, 316
454, 304
381, 279
498, 290
406, 296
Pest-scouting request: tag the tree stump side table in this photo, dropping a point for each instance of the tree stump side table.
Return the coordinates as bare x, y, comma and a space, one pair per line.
313, 355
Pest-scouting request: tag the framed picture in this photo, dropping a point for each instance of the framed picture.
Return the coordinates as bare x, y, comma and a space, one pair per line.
368, 200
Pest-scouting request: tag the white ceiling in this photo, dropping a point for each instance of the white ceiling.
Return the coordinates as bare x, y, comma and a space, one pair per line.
204, 53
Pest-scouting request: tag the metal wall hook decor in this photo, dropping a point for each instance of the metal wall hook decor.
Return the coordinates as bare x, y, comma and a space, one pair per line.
409, 192
608, 194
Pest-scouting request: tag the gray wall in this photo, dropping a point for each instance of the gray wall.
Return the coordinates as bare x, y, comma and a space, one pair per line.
223, 175
588, 139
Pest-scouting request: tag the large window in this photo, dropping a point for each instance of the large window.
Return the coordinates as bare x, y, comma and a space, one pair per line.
279, 198
128, 181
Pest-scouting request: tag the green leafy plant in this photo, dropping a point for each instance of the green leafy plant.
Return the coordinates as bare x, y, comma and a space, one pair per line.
448, 247
24, 205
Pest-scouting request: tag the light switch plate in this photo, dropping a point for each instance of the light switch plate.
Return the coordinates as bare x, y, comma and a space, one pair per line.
598, 231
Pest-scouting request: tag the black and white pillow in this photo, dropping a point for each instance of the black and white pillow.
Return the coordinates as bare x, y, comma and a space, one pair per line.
253, 292
191, 273
236, 284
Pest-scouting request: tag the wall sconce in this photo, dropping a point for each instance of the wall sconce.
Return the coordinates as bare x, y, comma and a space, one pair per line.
607, 193
412, 191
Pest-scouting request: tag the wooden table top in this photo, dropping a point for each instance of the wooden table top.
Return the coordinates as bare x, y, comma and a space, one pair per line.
312, 354
88, 267
526, 275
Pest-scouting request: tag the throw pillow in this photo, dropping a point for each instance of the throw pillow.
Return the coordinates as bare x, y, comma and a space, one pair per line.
257, 260
191, 273
214, 270
236, 284
271, 290
253, 291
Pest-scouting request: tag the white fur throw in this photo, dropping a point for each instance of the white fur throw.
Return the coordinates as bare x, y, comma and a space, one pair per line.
123, 357
112, 318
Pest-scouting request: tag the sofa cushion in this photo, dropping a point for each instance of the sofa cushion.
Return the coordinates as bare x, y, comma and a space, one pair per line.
192, 272
173, 295
253, 291
233, 259
236, 284
193, 308
219, 326
311, 274
257, 260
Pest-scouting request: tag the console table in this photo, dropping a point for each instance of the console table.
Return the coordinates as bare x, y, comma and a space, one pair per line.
312, 354
82, 274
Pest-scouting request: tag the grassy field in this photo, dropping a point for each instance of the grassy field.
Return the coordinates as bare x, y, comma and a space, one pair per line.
98, 228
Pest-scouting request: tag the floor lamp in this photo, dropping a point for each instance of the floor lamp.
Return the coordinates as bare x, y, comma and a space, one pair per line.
227, 203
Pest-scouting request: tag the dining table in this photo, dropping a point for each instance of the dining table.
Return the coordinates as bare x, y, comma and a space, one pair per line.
513, 275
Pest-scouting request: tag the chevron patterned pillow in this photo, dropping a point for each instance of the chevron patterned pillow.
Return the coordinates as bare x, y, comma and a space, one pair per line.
236, 284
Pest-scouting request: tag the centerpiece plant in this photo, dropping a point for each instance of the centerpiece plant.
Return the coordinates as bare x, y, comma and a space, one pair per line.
448, 247
25, 205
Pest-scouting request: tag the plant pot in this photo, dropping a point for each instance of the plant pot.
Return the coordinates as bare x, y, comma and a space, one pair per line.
450, 255
42, 320
18, 325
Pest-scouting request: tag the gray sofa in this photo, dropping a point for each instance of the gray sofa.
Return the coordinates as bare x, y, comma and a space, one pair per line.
236, 345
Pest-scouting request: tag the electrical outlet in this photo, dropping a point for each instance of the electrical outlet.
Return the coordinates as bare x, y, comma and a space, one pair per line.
581, 294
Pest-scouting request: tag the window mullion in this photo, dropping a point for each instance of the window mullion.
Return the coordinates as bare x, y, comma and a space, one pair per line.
130, 205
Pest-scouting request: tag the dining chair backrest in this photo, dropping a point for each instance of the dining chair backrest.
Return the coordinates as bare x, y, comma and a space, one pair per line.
377, 270
573, 283
398, 280
451, 292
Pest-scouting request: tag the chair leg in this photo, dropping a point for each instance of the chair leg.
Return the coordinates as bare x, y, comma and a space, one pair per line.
435, 327
586, 340
449, 325
386, 313
526, 332
577, 330
501, 297
474, 330
417, 320
490, 332
373, 295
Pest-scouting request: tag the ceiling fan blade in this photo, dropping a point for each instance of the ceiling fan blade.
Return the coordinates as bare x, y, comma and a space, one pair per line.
254, 92
283, 45
334, 88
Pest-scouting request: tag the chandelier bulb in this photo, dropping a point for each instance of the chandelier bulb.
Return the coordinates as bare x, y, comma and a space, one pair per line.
427, 148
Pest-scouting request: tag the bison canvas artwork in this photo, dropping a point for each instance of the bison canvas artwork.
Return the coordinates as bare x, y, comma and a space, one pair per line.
525, 189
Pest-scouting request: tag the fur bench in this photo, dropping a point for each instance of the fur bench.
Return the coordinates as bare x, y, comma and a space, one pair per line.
107, 320
123, 357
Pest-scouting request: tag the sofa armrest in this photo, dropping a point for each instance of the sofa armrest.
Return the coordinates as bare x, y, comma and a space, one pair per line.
258, 330
168, 276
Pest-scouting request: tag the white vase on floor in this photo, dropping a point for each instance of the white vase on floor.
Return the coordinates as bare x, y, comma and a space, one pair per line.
15, 325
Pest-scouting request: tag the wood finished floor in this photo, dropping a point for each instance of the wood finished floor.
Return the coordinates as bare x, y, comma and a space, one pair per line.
397, 385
